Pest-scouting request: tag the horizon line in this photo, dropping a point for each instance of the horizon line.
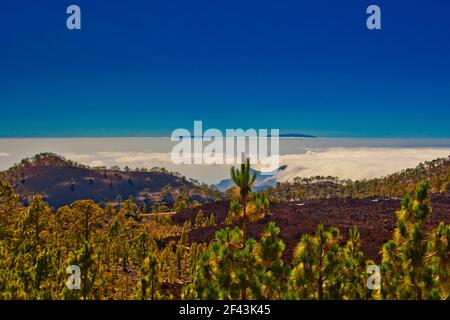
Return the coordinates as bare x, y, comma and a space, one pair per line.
281, 136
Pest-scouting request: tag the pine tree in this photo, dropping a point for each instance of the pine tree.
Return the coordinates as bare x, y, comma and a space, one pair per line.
259, 205
148, 287
82, 219
9, 211
199, 219
272, 273
212, 221
316, 266
215, 275
244, 181
226, 270
34, 226
85, 258
440, 260
353, 269
406, 268
11, 285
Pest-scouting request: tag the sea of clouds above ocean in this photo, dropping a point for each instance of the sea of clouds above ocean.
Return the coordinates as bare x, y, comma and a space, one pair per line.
306, 159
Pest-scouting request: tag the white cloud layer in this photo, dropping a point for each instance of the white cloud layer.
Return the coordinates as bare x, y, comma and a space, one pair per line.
345, 163
344, 158
359, 163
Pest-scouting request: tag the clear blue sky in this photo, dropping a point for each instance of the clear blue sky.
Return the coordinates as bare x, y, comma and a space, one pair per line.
148, 67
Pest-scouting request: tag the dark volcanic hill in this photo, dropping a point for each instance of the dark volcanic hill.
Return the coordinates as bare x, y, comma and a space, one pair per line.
61, 182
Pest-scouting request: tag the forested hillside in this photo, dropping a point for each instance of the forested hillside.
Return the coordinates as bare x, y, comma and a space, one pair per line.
436, 172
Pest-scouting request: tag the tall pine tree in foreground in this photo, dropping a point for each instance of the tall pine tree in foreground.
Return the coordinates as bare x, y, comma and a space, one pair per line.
415, 264
323, 269
272, 273
244, 181
316, 266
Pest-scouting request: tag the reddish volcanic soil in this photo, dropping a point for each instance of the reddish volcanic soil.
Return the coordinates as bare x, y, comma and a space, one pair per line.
374, 217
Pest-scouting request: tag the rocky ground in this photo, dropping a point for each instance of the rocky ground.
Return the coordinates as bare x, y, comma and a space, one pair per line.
375, 218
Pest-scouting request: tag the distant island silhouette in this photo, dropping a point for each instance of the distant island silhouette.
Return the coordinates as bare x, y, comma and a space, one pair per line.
284, 135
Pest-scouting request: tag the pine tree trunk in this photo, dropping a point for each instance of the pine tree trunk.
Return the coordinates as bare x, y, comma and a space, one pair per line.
320, 288
244, 239
244, 229
152, 293
244, 224
244, 294
37, 228
86, 228
179, 266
